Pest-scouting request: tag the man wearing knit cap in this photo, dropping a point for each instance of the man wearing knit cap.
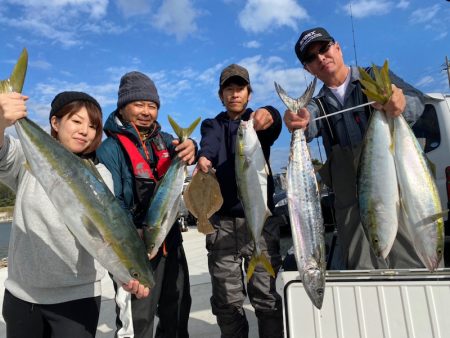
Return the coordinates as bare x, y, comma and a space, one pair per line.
231, 245
138, 154
342, 137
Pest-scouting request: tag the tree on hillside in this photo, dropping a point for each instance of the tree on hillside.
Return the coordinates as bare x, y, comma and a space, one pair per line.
7, 196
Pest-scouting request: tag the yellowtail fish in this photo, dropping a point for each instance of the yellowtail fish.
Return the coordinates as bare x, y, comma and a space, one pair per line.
305, 212
251, 178
419, 199
87, 206
378, 195
419, 196
164, 206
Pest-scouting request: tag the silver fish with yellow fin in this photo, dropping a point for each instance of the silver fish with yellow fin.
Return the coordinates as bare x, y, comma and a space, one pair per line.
251, 178
419, 199
165, 203
87, 206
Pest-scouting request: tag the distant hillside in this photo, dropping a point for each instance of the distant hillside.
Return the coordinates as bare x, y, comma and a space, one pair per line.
7, 196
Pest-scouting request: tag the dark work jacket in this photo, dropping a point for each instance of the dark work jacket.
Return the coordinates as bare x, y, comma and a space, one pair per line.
112, 155
218, 145
348, 129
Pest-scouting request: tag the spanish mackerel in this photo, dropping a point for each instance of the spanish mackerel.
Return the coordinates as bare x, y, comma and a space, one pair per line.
251, 178
87, 206
305, 212
165, 204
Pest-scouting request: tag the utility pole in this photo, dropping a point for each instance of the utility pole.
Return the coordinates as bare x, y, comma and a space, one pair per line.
447, 67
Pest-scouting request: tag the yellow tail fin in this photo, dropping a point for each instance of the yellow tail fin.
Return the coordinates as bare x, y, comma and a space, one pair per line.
261, 258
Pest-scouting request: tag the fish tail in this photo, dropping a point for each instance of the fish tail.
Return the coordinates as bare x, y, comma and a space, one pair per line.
204, 226
183, 133
17, 77
261, 258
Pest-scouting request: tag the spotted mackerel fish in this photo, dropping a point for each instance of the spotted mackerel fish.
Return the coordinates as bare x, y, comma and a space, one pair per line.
304, 206
86, 205
164, 207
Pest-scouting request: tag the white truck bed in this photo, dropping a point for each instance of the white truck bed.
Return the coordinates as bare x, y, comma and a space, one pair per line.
366, 304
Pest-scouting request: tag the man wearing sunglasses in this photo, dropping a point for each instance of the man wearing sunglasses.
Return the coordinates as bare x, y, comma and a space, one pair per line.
342, 136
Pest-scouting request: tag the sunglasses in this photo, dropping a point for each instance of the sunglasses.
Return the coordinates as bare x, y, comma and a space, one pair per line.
322, 50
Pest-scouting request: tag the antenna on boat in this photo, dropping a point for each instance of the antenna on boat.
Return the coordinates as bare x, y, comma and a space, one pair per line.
353, 34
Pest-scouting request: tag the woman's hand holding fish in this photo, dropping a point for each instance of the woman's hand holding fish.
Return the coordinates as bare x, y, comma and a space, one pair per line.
262, 119
12, 108
137, 289
185, 150
296, 120
396, 104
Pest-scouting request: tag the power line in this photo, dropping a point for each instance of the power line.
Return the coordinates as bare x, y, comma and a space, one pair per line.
353, 34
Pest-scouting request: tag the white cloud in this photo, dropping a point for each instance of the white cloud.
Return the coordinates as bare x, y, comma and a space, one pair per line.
424, 15
62, 8
177, 17
425, 81
364, 8
252, 44
261, 15
403, 4
133, 7
40, 64
62, 21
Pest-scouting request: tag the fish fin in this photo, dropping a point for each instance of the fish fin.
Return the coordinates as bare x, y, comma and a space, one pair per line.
432, 218
92, 229
266, 263
295, 104
261, 258
17, 77
204, 226
380, 88
183, 133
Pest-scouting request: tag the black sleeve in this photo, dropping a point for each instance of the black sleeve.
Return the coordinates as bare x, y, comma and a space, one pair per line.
270, 135
210, 140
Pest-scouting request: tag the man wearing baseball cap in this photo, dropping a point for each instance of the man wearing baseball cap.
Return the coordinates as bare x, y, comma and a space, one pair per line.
342, 136
231, 244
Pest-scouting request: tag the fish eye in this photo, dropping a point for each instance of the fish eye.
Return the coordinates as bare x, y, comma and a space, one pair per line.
135, 274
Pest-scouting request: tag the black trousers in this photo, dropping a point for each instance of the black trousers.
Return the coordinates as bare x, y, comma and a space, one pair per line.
170, 299
74, 319
229, 247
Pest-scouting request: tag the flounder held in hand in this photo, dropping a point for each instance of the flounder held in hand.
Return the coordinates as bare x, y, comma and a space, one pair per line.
203, 198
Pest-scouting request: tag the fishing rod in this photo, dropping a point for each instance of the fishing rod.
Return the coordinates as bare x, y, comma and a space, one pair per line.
343, 110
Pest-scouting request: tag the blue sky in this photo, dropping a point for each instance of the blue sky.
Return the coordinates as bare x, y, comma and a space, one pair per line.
183, 45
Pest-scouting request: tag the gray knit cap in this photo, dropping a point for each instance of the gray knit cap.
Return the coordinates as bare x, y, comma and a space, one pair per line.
136, 86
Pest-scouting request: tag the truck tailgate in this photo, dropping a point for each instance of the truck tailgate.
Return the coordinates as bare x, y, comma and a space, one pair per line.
381, 303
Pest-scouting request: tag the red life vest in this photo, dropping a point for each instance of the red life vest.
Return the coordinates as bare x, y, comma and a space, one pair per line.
141, 167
